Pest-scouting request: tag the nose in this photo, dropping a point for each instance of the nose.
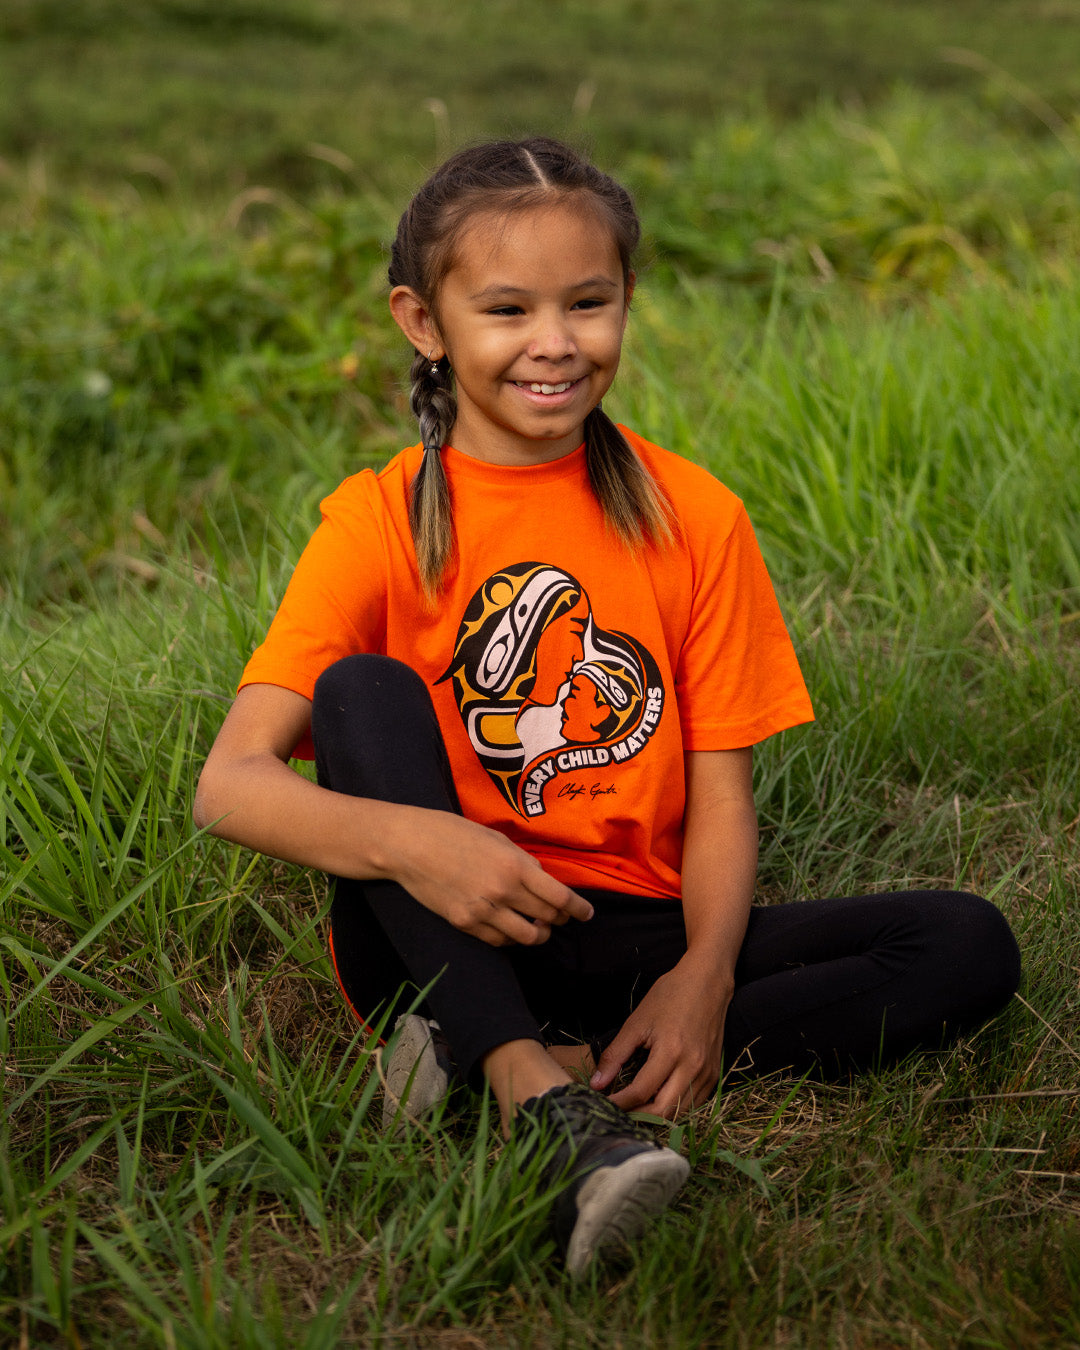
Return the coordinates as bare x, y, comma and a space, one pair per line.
552, 338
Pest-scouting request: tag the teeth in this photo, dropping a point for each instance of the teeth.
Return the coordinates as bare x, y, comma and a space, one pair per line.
550, 388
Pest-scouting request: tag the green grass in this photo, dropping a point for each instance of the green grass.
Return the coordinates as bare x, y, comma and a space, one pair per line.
864, 320
168, 93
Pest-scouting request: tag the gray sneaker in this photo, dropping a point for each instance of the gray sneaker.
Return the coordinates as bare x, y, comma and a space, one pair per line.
620, 1176
416, 1069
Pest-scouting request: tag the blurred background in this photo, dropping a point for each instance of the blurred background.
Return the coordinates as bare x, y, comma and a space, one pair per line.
196, 198
213, 95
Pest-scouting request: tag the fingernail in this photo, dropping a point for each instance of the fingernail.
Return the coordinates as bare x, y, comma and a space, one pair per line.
597, 1079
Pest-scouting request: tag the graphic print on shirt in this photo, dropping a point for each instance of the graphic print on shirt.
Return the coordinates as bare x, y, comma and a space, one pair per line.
542, 689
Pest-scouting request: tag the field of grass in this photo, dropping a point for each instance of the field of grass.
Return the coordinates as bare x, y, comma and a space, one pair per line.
862, 311
219, 95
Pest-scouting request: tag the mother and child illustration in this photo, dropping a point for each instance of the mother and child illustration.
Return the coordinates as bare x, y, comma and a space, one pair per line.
531, 658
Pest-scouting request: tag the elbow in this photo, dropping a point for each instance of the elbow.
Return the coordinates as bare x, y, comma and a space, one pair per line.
205, 810
199, 812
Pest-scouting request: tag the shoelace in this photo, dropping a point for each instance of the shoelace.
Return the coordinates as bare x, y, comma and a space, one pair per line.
586, 1113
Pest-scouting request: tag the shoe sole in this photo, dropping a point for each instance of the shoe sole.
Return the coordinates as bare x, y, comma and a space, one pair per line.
615, 1203
413, 1058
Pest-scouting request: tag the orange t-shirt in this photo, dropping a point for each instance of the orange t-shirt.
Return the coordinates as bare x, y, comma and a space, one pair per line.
569, 674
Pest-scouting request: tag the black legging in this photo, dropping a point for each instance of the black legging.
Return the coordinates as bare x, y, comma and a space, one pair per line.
825, 985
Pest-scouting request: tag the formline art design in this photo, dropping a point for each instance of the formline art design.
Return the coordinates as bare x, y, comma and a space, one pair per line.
543, 690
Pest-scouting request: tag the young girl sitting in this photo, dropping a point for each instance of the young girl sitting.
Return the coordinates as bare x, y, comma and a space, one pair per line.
531, 657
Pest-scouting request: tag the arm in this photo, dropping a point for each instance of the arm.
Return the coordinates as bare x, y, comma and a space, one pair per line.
681, 1019
473, 876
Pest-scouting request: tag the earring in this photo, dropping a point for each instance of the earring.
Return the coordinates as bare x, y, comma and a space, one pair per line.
434, 365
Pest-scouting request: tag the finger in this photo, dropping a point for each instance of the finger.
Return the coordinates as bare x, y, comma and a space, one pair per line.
577, 907
494, 937
646, 1084
520, 930
634, 1097
673, 1100
561, 898
604, 1073
509, 930
698, 1092
531, 906
613, 1057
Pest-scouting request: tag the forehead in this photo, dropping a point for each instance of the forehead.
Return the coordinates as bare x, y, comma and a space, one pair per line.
556, 242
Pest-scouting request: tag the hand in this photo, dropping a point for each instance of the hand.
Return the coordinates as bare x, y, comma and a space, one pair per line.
680, 1021
482, 882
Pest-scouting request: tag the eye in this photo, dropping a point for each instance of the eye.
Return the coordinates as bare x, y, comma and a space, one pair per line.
506, 310
590, 302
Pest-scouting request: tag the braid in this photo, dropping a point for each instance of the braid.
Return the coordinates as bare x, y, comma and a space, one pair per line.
432, 401
431, 518
632, 501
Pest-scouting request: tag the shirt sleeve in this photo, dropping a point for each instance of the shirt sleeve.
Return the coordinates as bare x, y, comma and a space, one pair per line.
335, 603
738, 679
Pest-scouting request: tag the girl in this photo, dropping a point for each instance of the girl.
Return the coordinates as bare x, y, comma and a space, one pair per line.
531, 657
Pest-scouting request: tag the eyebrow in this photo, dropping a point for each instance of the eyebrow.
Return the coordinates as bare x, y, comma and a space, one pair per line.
589, 284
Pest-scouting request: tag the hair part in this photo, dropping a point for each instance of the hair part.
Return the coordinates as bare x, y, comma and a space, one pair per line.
507, 177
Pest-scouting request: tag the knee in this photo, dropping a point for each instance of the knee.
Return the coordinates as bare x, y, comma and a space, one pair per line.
365, 680
360, 706
980, 951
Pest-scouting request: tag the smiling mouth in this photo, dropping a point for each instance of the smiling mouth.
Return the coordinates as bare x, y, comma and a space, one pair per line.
536, 388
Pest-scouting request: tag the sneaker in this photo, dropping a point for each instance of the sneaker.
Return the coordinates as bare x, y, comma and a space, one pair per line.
620, 1176
416, 1071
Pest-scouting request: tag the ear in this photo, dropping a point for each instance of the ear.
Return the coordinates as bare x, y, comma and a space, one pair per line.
416, 321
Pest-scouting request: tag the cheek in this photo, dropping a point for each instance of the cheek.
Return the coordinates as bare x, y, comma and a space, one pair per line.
480, 354
608, 345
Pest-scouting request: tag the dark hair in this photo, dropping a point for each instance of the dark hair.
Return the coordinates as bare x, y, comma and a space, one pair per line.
510, 176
